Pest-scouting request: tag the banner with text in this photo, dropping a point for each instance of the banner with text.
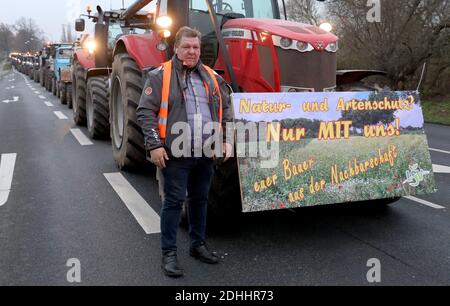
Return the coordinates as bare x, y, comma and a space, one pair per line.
306, 149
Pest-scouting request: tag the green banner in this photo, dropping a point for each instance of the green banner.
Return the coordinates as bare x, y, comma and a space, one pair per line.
307, 149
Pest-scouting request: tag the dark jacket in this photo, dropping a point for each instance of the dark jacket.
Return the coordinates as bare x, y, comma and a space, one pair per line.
150, 103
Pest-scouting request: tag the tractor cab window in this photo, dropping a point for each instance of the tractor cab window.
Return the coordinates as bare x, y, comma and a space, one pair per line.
225, 9
114, 33
246, 8
116, 30
64, 54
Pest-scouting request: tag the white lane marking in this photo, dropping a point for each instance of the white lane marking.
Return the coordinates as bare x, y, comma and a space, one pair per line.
441, 169
147, 218
37, 92
432, 205
437, 150
60, 115
49, 104
41, 97
82, 139
7, 163
15, 99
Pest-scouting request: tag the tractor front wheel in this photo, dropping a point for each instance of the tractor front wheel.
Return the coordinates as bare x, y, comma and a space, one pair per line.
79, 94
127, 138
97, 107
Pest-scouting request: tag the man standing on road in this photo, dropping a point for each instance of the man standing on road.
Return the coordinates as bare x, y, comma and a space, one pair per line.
184, 91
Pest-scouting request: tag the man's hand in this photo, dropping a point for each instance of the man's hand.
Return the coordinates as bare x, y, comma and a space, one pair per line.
227, 151
159, 157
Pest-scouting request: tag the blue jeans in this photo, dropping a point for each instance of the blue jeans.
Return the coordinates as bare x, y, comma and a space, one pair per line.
180, 175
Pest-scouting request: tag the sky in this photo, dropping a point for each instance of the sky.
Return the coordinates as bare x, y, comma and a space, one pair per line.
50, 15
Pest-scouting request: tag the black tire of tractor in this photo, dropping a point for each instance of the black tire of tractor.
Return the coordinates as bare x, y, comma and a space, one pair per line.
58, 89
41, 78
224, 202
49, 82
97, 108
127, 138
69, 95
79, 94
63, 93
54, 87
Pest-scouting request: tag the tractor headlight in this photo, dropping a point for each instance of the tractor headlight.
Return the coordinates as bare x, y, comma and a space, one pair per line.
285, 42
91, 46
164, 22
290, 44
333, 47
304, 47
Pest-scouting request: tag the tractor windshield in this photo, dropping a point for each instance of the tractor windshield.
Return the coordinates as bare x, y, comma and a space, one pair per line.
64, 53
116, 30
247, 8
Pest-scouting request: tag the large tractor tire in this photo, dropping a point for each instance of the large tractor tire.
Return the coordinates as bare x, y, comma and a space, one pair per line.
54, 87
36, 76
49, 82
79, 94
63, 93
41, 78
97, 107
127, 138
224, 202
69, 95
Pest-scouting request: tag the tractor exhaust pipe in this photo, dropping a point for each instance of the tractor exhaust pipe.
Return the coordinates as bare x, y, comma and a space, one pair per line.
134, 8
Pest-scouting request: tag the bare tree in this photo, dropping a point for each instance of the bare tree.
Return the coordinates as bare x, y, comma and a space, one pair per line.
6, 38
410, 33
28, 36
305, 11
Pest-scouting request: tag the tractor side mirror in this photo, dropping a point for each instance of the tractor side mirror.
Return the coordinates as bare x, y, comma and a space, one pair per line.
80, 25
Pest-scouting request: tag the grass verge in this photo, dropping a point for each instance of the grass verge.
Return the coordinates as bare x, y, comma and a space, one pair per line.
437, 111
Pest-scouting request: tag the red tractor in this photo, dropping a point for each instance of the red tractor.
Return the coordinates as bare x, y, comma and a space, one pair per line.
92, 66
246, 41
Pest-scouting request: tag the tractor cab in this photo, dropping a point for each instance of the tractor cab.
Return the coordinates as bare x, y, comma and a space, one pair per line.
63, 55
109, 27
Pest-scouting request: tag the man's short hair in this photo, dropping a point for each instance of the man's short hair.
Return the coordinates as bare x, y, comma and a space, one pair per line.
187, 32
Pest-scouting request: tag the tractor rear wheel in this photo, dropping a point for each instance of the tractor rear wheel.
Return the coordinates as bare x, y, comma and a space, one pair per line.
97, 107
127, 138
54, 87
79, 94
69, 95
63, 93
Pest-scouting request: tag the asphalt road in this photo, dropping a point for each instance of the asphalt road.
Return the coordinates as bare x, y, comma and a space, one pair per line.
61, 206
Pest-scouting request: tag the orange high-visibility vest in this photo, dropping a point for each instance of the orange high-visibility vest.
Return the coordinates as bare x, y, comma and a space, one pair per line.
164, 109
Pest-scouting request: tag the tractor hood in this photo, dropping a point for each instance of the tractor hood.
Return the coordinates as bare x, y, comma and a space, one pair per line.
258, 28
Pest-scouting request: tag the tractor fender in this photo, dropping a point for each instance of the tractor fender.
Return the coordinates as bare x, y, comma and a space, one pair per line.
94, 72
86, 60
351, 76
142, 49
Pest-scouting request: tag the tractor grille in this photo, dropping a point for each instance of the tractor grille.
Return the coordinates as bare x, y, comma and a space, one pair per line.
315, 70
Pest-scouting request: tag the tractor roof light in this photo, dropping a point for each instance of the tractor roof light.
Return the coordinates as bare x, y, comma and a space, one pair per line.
164, 22
89, 9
